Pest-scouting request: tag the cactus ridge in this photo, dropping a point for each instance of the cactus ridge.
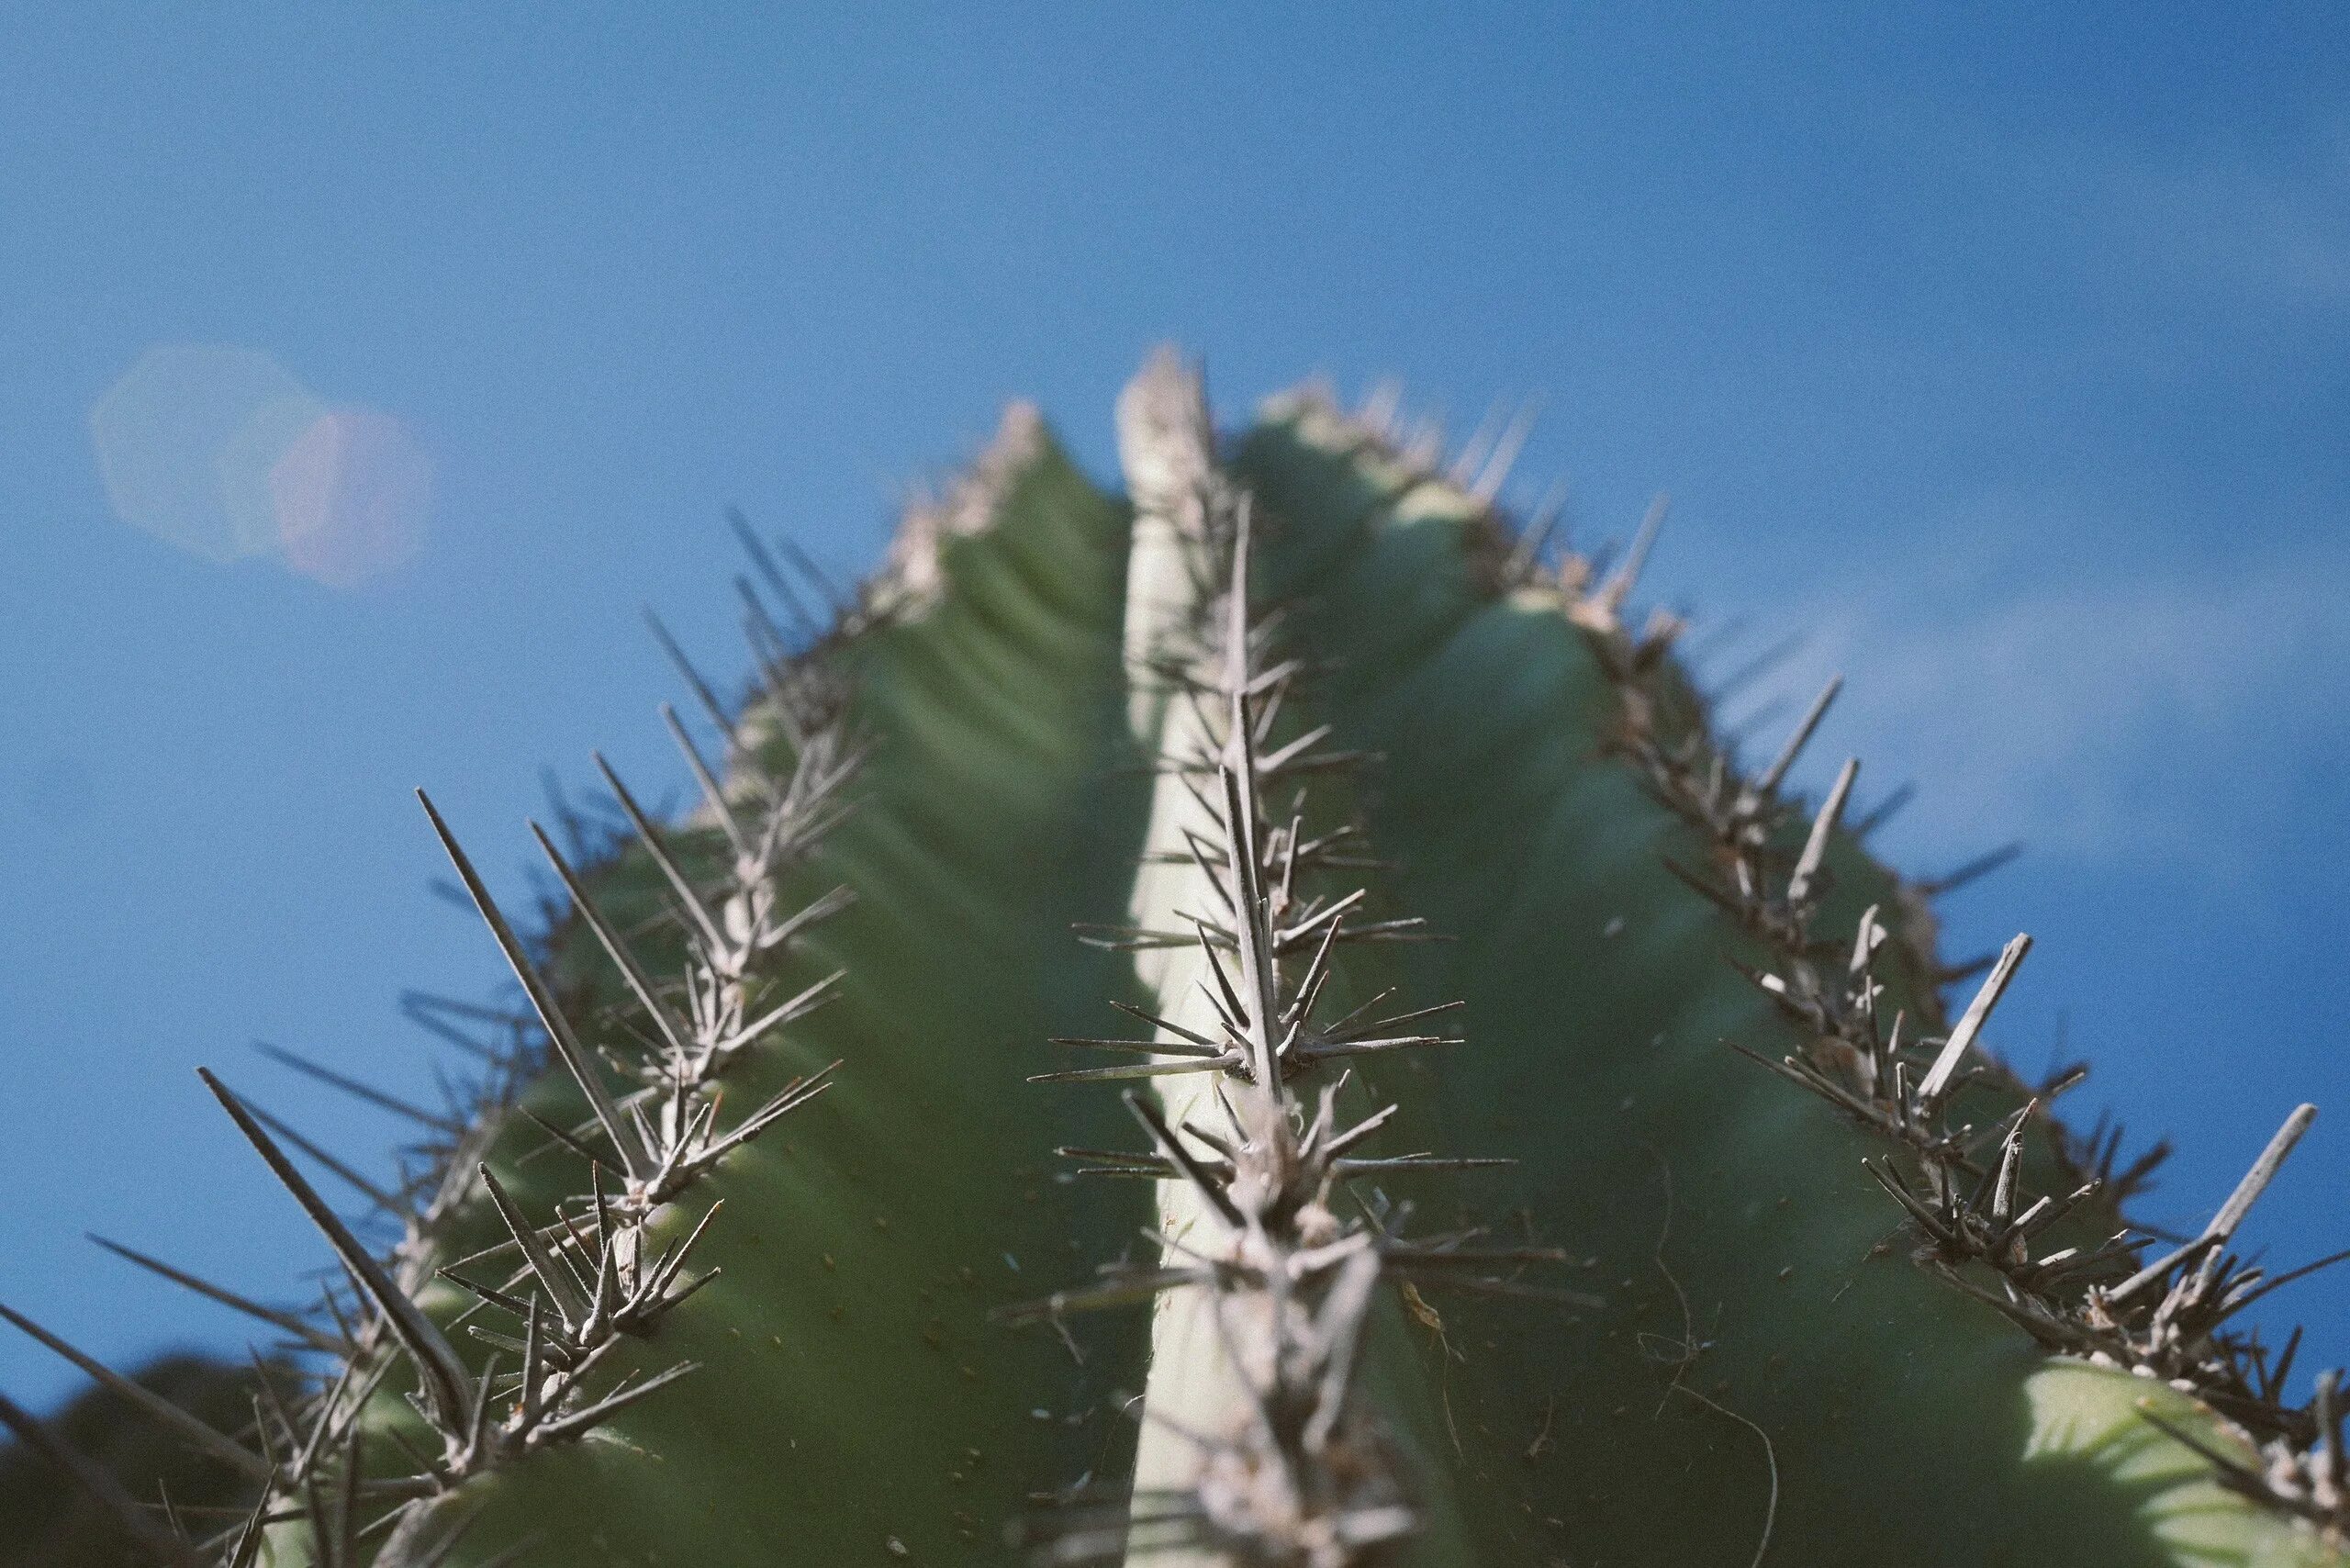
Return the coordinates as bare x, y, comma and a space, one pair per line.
607, 1264
1291, 1467
1961, 1187
1297, 1407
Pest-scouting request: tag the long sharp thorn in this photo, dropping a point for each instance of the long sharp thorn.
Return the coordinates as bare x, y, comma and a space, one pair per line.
2222, 1227
702, 694
2329, 1431
1344, 1311
769, 645
267, 1404
711, 790
1156, 1022
1254, 944
291, 1322
558, 1027
1360, 1131
1349, 1028
797, 1006
2282, 1372
477, 1430
650, 836
489, 1293
355, 1089
1995, 984
1274, 761
534, 1252
2003, 1189
1470, 461
821, 907
1627, 575
1526, 553
1317, 970
420, 1010
611, 1405
1775, 775
1981, 866
1356, 1048
1866, 935
1236, 610
1497, 467
756, 549
645, 1138
347, 1504
2190, 1253
656, 1287
1814, 848
1142, 1069
2279, 1281
1329, 915
766, 1116
527, 1399
334, 1402
1884, 811
200, 1433
172, 1524
673, 1032
255, 1530
412, 1001
563, 1138
602, 1209
1755, 668
1223, 992
1164, 1136
439, 1369
839, 602
1417, 1162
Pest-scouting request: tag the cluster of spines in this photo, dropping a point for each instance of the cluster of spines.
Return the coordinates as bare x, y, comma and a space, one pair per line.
1290, 1258
593, 1277
1961, 1188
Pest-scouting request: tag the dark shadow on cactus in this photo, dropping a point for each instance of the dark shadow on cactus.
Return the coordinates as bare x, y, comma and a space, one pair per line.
47, 1522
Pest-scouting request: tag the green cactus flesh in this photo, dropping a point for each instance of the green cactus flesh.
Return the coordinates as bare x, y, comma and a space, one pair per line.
1594, 1289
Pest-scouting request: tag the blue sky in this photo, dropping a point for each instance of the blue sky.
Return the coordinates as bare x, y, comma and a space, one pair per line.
2004, 355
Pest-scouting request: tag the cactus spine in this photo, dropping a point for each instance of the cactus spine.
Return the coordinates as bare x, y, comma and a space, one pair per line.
1368, 1164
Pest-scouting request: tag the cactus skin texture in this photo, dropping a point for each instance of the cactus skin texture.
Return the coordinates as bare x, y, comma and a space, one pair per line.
1426, 1173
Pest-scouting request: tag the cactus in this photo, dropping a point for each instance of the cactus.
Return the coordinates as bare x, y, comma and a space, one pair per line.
1471, 1120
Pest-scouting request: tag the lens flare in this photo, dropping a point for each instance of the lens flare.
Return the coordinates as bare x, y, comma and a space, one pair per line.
349, 494
222, 452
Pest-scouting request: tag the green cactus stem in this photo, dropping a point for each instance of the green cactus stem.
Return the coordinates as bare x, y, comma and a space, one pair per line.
1246, 1024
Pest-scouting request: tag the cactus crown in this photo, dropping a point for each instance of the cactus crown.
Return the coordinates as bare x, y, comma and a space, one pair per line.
1465, 1235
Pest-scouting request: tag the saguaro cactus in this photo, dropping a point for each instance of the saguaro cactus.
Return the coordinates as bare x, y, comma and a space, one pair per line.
1250, 1023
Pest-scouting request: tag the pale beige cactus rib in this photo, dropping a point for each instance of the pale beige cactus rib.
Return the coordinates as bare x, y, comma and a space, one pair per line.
1274, 1321
1165, 445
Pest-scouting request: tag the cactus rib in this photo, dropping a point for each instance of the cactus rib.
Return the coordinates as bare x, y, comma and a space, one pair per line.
2165, 1319
1259, 1445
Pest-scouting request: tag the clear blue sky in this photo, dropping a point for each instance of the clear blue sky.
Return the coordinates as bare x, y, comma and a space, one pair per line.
2009, 357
